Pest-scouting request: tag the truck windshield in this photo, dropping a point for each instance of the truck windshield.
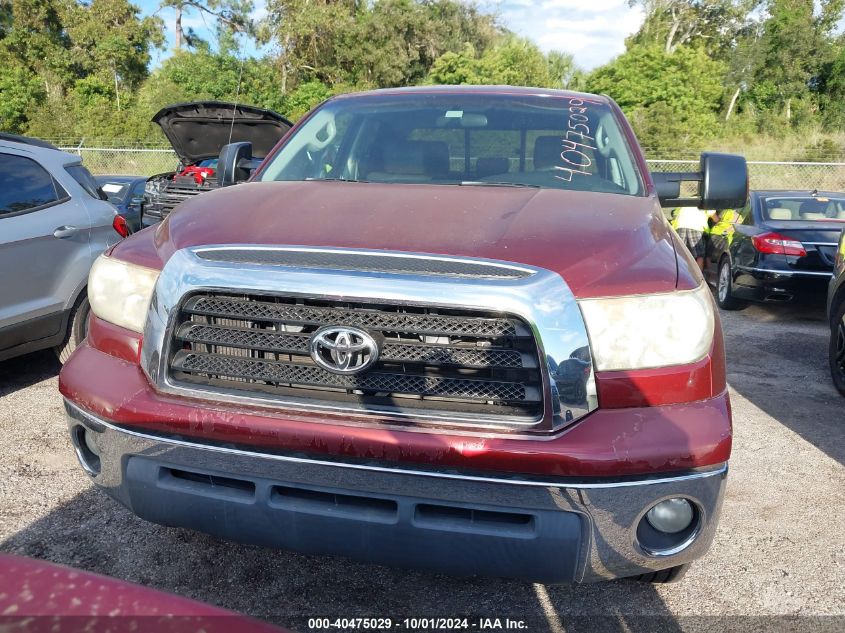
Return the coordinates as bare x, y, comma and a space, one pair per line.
555, 142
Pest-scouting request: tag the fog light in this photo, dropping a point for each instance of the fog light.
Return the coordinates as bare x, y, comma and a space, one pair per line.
671, 516
86, 450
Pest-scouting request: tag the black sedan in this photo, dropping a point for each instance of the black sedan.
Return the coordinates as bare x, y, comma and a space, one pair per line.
127, 194
779, 248
836, 313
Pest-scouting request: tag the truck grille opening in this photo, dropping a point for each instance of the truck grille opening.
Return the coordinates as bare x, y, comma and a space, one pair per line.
171, 193
435, 361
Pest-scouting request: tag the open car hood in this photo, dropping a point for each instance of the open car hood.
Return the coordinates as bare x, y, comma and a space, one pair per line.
198, 130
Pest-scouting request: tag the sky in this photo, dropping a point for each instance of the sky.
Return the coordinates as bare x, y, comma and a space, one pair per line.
594, 31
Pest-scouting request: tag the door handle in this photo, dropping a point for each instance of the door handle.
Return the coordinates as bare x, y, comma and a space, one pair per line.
65, 231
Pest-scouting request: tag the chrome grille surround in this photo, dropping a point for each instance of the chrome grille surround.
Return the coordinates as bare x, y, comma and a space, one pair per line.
540, 299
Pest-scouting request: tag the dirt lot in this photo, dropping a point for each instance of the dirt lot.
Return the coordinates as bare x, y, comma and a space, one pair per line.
780, 549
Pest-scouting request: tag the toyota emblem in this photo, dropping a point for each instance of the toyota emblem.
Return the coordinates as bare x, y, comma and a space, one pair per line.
343, 350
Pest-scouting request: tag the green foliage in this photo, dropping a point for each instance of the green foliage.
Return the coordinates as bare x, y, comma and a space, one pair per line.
380, 44
20, 92
454, 69
721, 72
230, 17
70, 66
673, 99
514, 62
303, 98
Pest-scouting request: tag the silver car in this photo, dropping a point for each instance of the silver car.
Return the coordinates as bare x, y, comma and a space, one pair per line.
53, 225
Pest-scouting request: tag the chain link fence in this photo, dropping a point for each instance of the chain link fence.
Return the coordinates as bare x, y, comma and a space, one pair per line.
125, 162
775, 175
148, 161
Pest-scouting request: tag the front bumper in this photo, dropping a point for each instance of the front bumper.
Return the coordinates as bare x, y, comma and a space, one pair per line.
548, 531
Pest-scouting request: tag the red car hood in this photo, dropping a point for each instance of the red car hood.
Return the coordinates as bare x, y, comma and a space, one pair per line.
601, 244
40, 596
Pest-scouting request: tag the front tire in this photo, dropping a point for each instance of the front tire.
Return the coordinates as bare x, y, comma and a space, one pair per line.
724, 287
836, 352
77, 329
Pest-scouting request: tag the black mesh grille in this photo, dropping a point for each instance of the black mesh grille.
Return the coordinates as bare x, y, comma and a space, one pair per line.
290, 374
452, 360
375, 319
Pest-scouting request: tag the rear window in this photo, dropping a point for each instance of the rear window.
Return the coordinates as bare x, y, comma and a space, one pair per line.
85, 180
804, 209
115, 191
555, 142
25, 186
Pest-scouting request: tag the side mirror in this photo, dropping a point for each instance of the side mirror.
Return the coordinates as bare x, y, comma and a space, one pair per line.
235, 163
722, 184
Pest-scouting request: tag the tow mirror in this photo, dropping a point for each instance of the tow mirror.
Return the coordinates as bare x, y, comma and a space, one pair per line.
235, 163
722, 183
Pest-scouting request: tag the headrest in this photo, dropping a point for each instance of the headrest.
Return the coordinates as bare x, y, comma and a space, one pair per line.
547, 151
780, 213
812, 207
417, 158
491, 165
436, 154
813, 215
403, 158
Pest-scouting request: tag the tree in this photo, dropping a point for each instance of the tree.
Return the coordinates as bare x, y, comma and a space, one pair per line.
65, 57
563, 71
232, 16
794, 47
712, 24
20, 93
110, 43
672, 98
453, 69
34, 38
515, 62
379, 44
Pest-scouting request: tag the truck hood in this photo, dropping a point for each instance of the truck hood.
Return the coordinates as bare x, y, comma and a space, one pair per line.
200, 129
601, 244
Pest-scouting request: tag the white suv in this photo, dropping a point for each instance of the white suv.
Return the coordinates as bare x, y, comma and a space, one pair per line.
53, 225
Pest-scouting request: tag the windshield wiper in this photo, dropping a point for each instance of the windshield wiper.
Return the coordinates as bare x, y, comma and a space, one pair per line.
337, 179
494, 183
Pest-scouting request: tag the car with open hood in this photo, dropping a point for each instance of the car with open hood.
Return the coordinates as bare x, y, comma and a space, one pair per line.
442, 327
197, 131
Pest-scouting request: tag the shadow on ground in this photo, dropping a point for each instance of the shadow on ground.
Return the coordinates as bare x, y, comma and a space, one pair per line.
24, 371
92, 532
784, 371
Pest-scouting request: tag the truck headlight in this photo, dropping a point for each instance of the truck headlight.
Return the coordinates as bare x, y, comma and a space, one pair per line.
120, 292
642, 332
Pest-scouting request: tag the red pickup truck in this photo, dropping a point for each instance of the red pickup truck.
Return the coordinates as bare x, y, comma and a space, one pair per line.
443, 327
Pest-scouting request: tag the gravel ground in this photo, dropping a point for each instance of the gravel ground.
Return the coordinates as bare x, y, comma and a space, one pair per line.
779, 554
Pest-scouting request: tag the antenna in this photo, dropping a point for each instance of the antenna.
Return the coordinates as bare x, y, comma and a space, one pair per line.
237, 97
